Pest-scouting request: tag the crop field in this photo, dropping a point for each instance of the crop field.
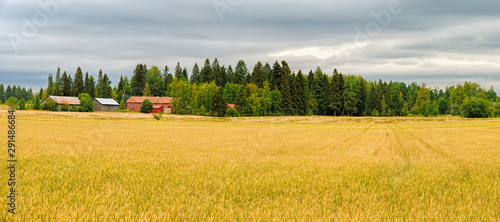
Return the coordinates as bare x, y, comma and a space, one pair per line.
130, 167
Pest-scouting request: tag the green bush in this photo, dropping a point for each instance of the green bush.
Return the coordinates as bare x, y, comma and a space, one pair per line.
75, 109
476, 108
147, 106
64, 107
158, 116
232, 112
12, 103
85, 103
50, 105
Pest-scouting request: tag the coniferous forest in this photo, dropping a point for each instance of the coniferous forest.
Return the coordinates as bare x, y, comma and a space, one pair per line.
268, 90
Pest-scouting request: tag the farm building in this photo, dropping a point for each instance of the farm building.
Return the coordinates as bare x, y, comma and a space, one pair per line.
231, 105
160, 104
71, 101
105, 104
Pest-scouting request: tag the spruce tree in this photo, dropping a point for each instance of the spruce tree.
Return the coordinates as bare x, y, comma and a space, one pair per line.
219, 103
276, 76
66, 90
241, 72
139, 80
286, 96
50, 85
107, 91
258, 75
302, 95
2, 94
78, 82
206, 72
195, 74
241, 100
178, 71
59, 83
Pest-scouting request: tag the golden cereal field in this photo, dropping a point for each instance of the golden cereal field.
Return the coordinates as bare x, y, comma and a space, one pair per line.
130, 167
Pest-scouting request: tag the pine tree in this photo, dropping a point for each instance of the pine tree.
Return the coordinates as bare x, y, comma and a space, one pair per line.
362, 96
195, 74
147, 91
2, 94
50, 84
219, 103
91, 87
206, 72
138, 80
241, 72
286, 96
66, 90
99, 85
276, 76
59, 83
107, 91
258, 75
231, 78
336, 93
185, 74
178, 71
36, 104
78, 82
302, 95
241, 100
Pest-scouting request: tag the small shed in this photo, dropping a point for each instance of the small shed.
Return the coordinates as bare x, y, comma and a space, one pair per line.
105, 104
71, 101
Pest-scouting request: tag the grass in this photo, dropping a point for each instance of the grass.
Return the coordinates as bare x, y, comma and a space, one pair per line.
130, 167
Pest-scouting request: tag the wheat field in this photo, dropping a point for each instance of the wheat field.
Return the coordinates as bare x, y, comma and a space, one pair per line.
130, 167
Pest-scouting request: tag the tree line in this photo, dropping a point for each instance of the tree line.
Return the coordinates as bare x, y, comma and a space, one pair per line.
271, 90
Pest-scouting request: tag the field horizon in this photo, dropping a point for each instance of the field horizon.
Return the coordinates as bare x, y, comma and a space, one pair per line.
127, 166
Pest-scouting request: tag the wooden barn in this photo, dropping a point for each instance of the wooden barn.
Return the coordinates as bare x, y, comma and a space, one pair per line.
105, 104
160, 104
71, 101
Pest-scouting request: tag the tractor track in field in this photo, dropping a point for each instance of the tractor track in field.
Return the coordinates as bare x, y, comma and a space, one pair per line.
437, 152
358, 134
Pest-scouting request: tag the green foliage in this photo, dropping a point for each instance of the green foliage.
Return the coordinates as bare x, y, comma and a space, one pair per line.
232, 112
50, 105
442, 106
147, 106
496, 108
476, 108
155, 84
85, 103
158, 116
76, 109
146, 91
219, 103
37, 104
12, 103
64, 107
139, 79
22, 104
78, 85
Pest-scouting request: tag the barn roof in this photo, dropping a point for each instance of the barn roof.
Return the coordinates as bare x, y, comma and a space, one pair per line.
231, 105
65, 100
106, 101
154, 100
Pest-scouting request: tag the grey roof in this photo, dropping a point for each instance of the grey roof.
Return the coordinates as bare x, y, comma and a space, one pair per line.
106, 101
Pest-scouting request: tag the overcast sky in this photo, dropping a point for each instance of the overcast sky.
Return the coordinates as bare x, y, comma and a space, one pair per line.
441, 42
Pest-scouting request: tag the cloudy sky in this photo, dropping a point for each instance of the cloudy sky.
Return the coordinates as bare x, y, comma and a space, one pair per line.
441, 42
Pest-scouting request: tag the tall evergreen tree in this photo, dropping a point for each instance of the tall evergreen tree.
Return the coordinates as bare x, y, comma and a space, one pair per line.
267, 72
195, 74
362, 96
2, 93
99, 85
59, 83
106, 87
139, 79
219, 103
66, 90
50, 84
178, 71
276, 76
91, 87
8, 93
78, 82
206, 72
241, 100
241, 72
286, 96
258, 75
336, 94
302, 94
231, 77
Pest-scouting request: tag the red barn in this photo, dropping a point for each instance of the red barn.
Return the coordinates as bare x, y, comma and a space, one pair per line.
160, 104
